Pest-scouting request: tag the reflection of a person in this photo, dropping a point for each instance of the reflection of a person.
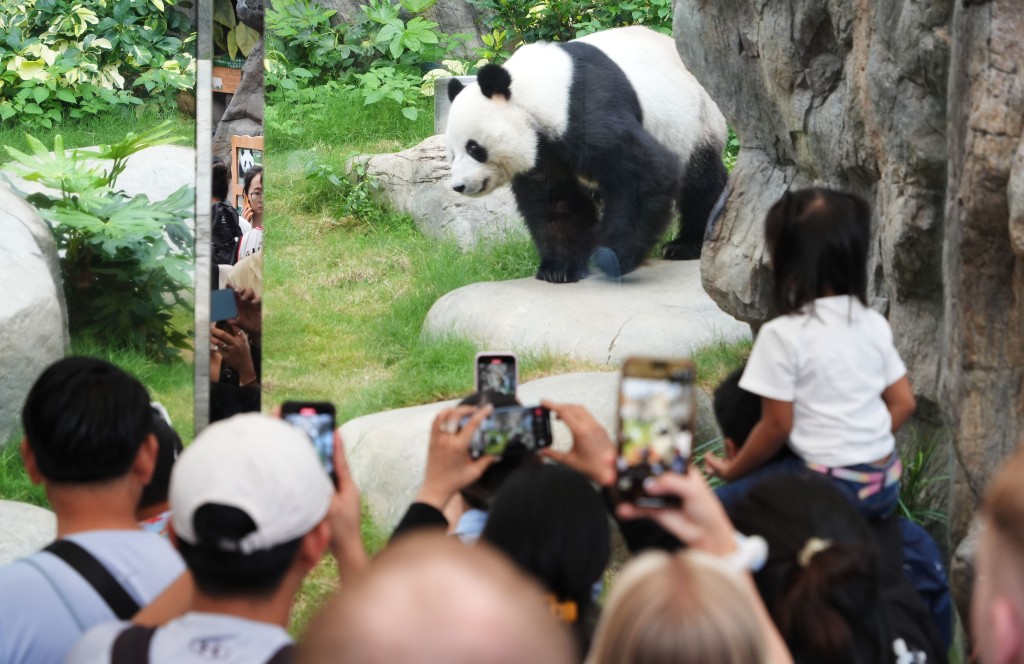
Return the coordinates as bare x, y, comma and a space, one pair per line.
235, 354
252, 241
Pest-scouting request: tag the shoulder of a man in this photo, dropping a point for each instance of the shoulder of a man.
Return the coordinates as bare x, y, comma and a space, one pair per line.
56, 605
96, 645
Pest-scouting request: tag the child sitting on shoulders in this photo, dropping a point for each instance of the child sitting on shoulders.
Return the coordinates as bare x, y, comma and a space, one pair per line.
830, 380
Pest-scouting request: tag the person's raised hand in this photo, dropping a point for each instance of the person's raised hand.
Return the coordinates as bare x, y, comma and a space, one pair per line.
592, 453
700, 521
233, 346
449, 466
344, 517
720, 466
250, 312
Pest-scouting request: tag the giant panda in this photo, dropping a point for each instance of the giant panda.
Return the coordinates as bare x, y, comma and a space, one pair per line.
599, 137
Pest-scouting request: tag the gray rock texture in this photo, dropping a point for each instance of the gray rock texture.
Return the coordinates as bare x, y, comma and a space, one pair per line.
33, 314
244, 114
660, 309
415, 181
387, 451
24, 529
917, 107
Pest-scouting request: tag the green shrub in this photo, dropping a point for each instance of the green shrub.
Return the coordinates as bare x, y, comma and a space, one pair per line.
516, 23
67, 58
380, 54
125, 261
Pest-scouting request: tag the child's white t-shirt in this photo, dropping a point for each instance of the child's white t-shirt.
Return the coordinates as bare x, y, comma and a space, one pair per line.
833, 364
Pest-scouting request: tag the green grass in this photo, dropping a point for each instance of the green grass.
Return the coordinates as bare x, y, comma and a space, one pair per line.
170, 383
108, 128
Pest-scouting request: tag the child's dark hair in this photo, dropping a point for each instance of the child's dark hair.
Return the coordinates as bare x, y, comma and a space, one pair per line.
220, 179
736, 410
818, 242
822, 580
169, 448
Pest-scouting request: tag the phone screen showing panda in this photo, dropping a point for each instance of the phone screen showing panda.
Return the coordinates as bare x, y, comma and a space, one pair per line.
655, 432
496, 373
319, 426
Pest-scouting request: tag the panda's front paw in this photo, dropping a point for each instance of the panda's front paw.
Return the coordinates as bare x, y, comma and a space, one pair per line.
560, 271
681, 251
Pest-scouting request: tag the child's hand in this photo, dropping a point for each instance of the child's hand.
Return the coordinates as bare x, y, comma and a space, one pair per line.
592, 453
722, 467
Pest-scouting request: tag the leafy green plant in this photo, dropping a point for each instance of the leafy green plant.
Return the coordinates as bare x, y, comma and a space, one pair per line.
230, 35
71, 58
923, 487
125, 261
380, 54
520, 23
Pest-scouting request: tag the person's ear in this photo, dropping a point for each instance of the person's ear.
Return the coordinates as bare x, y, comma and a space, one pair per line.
144, 464
1007, 630
314, 545
28, 457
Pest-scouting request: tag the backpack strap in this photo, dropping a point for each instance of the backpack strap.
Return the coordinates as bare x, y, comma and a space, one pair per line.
285, 655
102, 581
132, 645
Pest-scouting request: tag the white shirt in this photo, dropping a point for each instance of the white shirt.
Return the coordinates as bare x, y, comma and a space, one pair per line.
43, 614
833, 365
195, 637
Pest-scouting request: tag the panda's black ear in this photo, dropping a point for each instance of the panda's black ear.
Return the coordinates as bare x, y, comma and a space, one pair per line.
455, 86
494, 80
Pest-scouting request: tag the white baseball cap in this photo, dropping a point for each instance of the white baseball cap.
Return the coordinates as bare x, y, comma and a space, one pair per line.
258, 464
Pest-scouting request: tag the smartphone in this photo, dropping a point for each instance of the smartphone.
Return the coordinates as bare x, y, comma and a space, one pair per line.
222, 305
496, 372
657, 410
510, 431
316, 419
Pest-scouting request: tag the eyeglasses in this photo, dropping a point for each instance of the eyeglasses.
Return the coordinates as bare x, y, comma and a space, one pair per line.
256, 194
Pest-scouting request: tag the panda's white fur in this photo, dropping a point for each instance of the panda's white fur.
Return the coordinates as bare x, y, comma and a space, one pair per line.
636, 127
677, 110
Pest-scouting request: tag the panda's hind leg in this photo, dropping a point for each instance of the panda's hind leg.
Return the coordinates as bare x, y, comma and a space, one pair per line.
562, 218
703, 181
637, 195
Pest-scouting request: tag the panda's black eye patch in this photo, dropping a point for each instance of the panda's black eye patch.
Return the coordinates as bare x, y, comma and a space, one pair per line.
476, 151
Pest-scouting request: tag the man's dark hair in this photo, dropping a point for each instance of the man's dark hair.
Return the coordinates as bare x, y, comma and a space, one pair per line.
479, 494
221, 179
85, 419
169, 448
222, 573
551, 521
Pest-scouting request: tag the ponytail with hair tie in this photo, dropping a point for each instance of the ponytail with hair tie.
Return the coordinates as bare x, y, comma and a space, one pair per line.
813, 547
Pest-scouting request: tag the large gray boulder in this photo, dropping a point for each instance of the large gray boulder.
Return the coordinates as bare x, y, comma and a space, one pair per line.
24, 529
415, 181
917, 107
244, 114
387, 451
33, 315
660, 309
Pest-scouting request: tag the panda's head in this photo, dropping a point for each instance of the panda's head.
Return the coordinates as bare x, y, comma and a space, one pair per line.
490, 138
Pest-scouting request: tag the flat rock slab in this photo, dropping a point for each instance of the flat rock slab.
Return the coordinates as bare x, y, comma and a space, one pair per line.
156, 172
24, 529
660, 309
387, 451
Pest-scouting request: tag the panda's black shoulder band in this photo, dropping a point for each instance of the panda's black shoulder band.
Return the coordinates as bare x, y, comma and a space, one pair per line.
494, 79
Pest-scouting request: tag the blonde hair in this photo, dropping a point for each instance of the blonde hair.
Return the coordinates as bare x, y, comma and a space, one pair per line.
680, 608
248, 273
